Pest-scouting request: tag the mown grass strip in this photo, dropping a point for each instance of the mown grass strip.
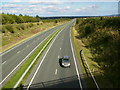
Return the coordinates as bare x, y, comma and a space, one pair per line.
18, 74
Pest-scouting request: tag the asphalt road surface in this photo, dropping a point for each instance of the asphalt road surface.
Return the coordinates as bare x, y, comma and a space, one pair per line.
49, 73
14, 56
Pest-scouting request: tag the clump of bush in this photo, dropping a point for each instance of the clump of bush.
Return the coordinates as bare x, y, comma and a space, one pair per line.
22, 26
9, 28
3, 31
56, 21
85, 30
31, 24
18, 27
38, 23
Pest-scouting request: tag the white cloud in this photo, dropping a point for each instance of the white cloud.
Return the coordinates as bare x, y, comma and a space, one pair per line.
49, 8
46, 1
17, 0
91, 0
32, 6
11, 6
67, 7
88, 8
93, 6
45, 9
60, 0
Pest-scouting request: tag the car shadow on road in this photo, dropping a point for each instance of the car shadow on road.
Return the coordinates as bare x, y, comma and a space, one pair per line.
60, 62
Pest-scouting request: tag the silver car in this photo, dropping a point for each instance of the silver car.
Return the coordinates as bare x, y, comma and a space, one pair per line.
65, 62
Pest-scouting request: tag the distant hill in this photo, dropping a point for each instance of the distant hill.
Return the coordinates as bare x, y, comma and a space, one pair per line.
71, 17
113, 15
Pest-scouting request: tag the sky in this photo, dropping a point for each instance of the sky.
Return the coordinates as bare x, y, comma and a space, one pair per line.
46, 8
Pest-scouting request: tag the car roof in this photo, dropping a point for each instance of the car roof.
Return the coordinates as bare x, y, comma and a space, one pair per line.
65, 57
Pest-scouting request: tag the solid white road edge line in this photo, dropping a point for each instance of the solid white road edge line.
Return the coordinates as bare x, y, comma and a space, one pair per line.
58, 57
23, 60
42, 61
75, 61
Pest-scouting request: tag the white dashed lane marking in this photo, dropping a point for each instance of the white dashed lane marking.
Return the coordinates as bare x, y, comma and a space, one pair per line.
18, 52
4, 62
55, 71
58, 57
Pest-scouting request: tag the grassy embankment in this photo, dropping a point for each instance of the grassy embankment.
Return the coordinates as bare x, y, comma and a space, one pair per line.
13, 34
99, 38
18, 74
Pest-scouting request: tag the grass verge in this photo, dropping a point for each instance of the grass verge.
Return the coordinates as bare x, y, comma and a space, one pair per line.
94, 67
18, 74
11, 39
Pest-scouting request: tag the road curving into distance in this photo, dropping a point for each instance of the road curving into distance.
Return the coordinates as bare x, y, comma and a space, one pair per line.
48, 72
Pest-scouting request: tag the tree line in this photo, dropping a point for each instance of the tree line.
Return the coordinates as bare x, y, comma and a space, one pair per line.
15, 19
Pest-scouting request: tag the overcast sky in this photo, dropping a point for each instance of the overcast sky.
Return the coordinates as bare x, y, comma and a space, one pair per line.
60, 7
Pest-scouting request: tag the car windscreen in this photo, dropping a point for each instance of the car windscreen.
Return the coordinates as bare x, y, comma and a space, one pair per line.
65, 61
